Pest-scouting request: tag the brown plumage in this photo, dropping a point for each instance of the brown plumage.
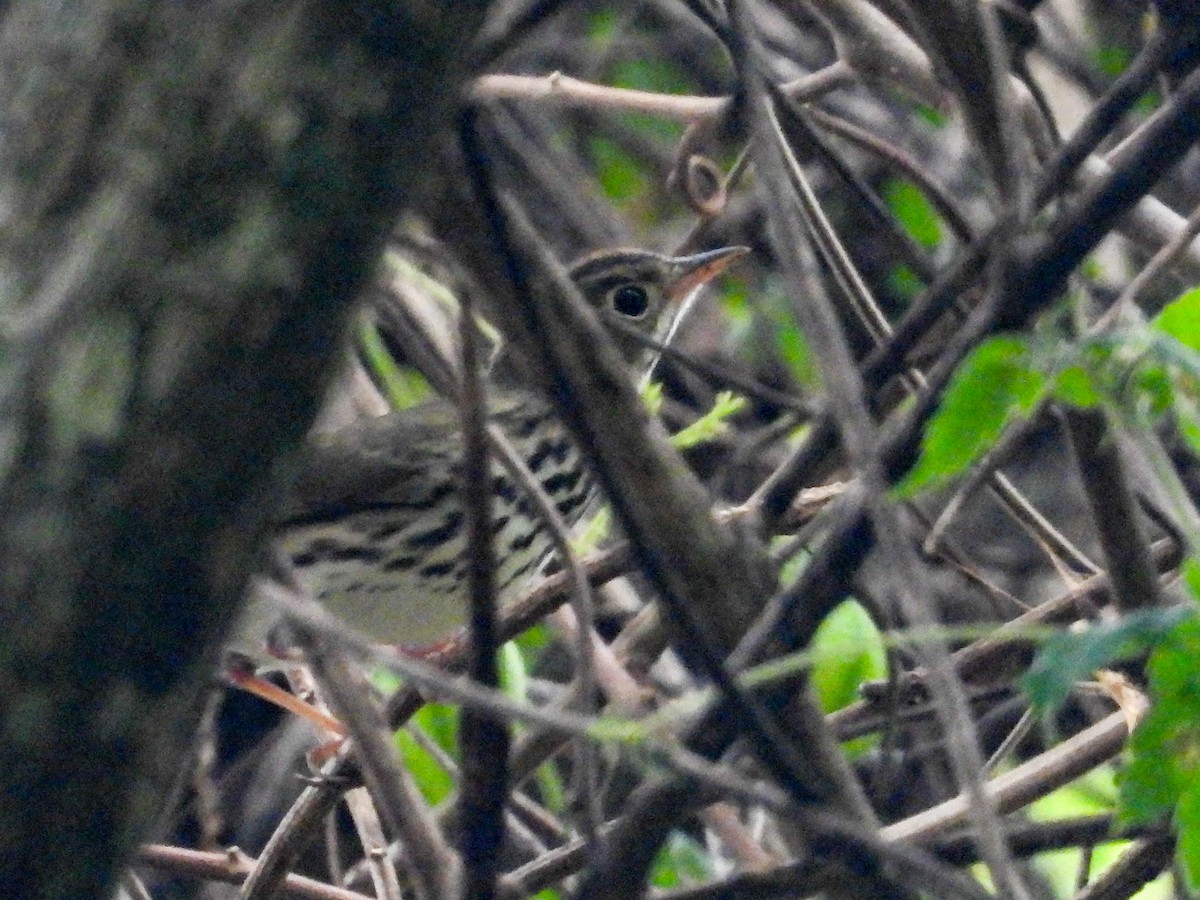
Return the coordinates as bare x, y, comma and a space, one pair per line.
374, 523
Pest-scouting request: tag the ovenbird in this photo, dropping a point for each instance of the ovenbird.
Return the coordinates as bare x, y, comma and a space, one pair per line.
374, 524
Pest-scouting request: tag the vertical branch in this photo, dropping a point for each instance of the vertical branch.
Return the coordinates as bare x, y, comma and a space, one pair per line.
1114, 512
484, 740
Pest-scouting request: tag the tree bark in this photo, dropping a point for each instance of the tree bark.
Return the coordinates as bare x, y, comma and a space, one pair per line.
191, 196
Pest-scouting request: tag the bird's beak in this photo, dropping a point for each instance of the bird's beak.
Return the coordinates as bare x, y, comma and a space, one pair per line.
693, 271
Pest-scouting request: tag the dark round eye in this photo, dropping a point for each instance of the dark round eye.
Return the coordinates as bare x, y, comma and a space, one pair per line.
630, 300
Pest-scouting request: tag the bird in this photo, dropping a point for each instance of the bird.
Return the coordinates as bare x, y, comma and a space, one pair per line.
373, 525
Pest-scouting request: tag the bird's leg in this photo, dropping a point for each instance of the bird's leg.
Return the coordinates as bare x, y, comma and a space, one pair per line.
243, 674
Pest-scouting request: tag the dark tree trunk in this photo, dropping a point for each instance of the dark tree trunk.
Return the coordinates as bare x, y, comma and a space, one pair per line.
192, 195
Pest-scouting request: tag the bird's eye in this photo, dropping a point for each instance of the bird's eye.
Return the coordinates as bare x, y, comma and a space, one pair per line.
630, 300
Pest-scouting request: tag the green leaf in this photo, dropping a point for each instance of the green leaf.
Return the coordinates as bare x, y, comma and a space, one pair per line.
1191, 576
1187, 417
1163, 778
797, 354
903, 282
652, 396
681, 861
1076, 385
789, 339
552, 791
602, 25
1147, 783
1068, 657
533, 640
932, 115
440, 723
402, 386
915, 213
994, 384
1111, 59
622, 179
1156, 392
514, 673
1181, 319
711, 424
846, 651
1187, 820
795, 562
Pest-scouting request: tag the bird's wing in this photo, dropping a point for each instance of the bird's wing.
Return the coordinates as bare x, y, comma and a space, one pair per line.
382, 462
390, 461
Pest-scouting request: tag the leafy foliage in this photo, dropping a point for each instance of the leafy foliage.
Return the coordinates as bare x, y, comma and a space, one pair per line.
1139, 375
1068, 657
1163, 779
995, 384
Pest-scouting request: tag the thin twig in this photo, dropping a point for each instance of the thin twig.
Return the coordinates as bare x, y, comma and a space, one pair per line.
234, 867
1017, 788
436, 870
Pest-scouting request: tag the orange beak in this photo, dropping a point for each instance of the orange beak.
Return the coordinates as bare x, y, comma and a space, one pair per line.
693, 271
